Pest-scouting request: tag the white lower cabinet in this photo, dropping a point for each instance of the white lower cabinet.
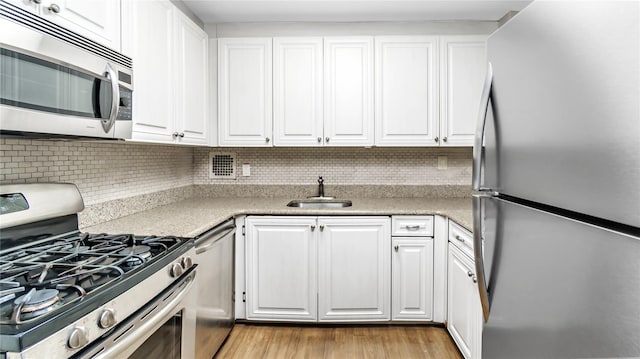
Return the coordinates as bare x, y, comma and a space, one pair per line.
464, 312
354, 269
281, 270
349, 257
412, 292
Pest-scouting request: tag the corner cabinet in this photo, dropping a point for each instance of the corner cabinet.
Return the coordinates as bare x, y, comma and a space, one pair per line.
244, 92
464, 311
168, 47
349, 256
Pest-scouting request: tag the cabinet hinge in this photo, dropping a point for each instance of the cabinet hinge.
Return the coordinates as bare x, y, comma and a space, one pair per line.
243, 230
244, 297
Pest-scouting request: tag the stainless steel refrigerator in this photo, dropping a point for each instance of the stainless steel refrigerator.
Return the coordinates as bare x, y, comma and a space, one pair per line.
557, 159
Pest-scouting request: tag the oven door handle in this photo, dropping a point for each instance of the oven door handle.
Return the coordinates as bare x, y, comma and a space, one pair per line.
133, 338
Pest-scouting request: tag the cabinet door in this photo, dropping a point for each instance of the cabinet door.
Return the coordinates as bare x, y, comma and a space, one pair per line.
97, 20
412, 272
297, 91
406, 88
281, 254
354, 269
348, 91
154, 95
463, 67
244, 91
192, 121
464, 314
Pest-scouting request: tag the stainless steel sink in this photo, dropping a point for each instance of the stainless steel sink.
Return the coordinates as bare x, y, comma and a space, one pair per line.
314, 203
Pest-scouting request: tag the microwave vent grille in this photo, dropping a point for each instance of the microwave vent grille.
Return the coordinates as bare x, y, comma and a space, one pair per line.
26, 18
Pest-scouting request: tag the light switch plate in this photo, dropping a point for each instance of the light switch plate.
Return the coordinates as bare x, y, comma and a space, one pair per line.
246, 170
442, 162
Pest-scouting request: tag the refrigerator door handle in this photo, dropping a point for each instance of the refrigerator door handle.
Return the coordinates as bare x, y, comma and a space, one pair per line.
478, 253
478, 149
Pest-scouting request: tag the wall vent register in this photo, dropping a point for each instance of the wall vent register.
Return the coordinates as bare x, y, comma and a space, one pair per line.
222, 165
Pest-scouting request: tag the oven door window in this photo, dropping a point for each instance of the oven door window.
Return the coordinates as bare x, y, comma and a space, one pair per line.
32, 83
165, 342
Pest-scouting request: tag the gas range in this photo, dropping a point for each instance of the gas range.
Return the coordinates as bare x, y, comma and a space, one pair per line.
64, 294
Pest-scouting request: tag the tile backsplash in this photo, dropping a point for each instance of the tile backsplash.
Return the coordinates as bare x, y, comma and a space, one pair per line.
103, 171
106, 171
341, 166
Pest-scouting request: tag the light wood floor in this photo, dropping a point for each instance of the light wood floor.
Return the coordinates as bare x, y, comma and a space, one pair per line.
284, 341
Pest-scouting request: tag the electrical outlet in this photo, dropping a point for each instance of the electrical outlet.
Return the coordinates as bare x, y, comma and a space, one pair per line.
442, 162
246, 170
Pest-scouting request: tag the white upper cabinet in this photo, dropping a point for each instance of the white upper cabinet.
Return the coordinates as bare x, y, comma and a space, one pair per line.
348, 91
96, 20
406, 90
297, 91
168, 47
192, 116
244, 91
463, 64
152, 40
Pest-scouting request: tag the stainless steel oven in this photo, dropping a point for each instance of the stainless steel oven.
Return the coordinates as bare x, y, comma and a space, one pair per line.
68, 294
55, 82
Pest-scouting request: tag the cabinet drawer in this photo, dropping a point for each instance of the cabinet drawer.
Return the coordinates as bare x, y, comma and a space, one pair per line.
461, 238
412, 226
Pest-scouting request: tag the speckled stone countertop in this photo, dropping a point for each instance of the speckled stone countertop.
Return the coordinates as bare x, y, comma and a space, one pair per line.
194, 216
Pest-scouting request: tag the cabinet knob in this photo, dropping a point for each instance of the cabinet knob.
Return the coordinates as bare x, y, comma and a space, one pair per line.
53, 8
267, 139
469, 273
444, 139
313, 228
437, 139
474, 279
319, 139
181, 135
321, 227
396, 247
175, 134
326, 139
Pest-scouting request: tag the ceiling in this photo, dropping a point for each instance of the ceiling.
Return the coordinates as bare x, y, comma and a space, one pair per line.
223, 11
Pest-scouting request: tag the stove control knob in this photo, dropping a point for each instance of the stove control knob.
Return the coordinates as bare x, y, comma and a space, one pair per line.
186, 262
107, 319
77, 338
176, 270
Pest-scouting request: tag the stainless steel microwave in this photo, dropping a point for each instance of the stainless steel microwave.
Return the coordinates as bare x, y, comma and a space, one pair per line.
56, 83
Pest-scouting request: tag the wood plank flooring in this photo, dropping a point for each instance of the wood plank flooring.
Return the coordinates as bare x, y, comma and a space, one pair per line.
290, 341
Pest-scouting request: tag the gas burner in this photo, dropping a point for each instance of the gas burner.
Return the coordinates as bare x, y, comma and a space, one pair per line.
137, 254
40, 300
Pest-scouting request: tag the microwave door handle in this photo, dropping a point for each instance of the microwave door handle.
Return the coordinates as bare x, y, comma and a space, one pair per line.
478, 148
107, 124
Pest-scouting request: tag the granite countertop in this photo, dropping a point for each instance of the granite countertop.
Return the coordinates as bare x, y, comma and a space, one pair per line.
194, 216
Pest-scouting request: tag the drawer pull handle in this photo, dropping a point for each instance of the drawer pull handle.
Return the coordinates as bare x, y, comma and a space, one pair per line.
414, 227
459, 238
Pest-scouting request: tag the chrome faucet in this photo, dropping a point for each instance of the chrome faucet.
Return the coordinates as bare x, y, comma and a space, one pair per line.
320, 187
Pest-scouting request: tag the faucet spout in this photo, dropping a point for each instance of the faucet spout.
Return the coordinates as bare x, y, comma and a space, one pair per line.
320, 187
